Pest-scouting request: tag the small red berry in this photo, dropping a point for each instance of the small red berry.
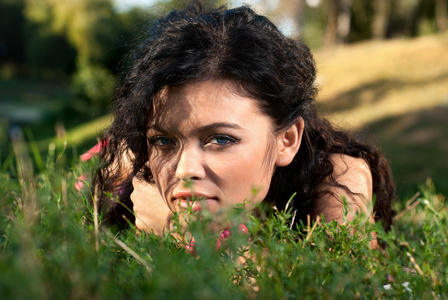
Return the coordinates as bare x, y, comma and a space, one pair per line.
243, 229
225, 234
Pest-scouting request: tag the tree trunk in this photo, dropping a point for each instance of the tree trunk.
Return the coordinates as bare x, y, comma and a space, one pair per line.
344, 19
380, 19
441, 19
332, 25
405, 18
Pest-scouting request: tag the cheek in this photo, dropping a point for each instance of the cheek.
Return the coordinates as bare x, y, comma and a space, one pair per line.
245, 174
161, 168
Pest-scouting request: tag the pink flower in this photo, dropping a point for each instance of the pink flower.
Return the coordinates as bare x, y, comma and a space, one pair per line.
94, 150
88, 155
226, 233
80, 184
189, 248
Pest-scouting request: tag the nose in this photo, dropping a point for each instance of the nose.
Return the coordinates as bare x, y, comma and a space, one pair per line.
190, 165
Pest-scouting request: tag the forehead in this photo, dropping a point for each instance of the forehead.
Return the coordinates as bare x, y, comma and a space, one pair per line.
204, 102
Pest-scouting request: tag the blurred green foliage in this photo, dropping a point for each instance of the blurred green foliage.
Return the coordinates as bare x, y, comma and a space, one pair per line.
83, 42
94, 82
63, 41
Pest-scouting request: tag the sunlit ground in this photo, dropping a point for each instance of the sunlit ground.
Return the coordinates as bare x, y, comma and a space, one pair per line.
397, 92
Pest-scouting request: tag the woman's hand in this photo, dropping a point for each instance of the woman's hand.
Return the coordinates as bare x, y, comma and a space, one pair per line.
151, 211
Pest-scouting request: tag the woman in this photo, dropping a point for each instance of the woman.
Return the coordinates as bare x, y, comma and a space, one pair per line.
220, 106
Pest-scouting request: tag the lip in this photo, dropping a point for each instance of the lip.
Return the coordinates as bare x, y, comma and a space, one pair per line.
190, 195
187, 199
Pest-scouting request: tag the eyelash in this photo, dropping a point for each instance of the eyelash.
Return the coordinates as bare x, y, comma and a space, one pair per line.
154, 141
229, 140
158, 141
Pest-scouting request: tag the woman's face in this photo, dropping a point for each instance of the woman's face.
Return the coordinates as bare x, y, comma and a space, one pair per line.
210, 144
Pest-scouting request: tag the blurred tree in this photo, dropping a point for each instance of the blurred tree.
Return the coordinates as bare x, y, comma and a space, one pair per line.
404, 18
332, 24
339, 19
427, 17
162, 7
315, 20
441, 15
50, 56
11, 31
380, 21
94, 82
90, 27
344, 20
289, 14
86, 40
132, 23
361, 21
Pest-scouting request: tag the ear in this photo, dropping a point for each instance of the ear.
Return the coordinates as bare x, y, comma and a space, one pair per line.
288, 143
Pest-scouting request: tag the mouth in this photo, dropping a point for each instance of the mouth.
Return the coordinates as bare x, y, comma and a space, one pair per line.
197, 201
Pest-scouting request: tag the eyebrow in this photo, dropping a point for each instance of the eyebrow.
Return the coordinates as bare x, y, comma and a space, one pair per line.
202, 128
219, 125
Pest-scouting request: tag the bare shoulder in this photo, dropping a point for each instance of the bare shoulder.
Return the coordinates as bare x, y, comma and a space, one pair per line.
353, 173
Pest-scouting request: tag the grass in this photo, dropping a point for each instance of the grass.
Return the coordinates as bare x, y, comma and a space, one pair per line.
48, 113
50, 248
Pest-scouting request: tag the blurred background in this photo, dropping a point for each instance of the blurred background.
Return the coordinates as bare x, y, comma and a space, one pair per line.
383, 72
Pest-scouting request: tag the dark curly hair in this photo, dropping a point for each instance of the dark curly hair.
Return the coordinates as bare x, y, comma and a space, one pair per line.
247, 49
